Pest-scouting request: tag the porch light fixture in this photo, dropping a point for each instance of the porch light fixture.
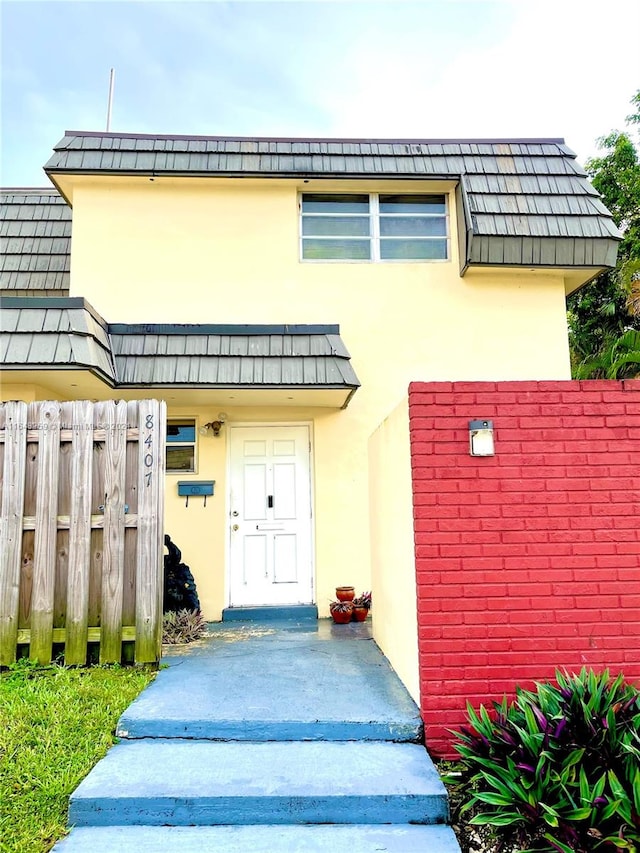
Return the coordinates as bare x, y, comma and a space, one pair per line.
213, 427
481, 438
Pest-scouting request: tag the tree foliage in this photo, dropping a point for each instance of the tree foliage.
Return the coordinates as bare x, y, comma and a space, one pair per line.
602, 314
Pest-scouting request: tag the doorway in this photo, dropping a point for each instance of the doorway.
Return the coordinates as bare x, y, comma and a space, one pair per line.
270, 519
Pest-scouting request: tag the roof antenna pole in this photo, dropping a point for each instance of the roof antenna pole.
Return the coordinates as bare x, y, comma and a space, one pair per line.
112, 75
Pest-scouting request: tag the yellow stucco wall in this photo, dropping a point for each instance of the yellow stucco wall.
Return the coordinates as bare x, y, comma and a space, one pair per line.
28, 393
225, 251
395, 619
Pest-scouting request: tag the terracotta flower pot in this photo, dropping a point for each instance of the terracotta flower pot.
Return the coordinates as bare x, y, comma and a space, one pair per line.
341, 617
360, 613
345, 593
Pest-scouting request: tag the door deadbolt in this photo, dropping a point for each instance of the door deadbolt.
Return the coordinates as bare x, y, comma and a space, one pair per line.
235, 513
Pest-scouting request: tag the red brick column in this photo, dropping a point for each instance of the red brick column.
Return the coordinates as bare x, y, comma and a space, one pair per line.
530, 559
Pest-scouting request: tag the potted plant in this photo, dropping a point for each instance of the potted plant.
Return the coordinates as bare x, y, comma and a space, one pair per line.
341, 611
361, 607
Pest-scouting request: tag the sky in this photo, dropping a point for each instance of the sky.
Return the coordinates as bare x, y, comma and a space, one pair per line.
322, 68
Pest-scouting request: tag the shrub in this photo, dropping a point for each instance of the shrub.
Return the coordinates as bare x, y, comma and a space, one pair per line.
558, 769
340, 606
183, 626
363, 600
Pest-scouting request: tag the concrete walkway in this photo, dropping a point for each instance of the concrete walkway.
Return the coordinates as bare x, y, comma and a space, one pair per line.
295, 681
290, 736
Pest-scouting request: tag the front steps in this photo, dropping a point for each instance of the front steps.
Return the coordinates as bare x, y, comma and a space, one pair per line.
296, 612
182, 783
261, 839
267, 741
272, 683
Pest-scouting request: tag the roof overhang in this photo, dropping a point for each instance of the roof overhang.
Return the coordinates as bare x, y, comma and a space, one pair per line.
573, 278
85, 385
64, 345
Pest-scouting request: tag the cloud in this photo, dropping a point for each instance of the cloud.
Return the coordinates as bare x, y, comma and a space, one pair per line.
433, 68
540, 74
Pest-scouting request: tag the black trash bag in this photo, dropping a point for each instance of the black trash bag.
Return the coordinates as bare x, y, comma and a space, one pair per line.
179, 586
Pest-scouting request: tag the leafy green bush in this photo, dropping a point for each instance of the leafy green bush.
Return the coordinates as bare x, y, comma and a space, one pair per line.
183, 626
558, 769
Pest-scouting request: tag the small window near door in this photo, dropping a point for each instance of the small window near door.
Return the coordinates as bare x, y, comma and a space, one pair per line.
181, 445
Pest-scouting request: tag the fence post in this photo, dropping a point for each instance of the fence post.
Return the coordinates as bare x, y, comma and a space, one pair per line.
75, 651
15, 452
47, 417
152, 415
115, 424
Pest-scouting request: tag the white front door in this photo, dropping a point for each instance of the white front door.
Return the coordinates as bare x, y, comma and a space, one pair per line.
270, 516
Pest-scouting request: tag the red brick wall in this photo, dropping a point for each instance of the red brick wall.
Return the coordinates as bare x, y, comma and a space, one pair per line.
528, 560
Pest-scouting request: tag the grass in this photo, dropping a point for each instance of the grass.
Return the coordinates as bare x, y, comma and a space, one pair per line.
55, 724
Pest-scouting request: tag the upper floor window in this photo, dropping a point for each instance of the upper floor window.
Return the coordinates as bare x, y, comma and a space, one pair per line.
181, 445
373, 227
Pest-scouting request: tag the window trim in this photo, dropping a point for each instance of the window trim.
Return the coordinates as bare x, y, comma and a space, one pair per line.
374, 230
183, 420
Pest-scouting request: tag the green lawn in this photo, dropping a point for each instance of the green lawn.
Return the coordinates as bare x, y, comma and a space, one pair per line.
55, 724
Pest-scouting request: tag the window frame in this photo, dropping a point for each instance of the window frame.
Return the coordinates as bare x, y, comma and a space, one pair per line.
374, 238
186, 420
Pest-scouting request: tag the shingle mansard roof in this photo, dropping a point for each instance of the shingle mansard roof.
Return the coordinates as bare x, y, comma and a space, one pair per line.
521, 202
35, 233
67, 333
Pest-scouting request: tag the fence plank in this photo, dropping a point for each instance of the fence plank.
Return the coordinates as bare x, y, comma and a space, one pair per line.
131, 531
63, 522
26, 578
152, 416
28, 539
13, 481
67, 434
93, 634
113, 544
79, 534
95, 577
47, 415
97, 498
65, 491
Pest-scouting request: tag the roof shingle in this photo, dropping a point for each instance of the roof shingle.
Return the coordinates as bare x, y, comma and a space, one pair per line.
67, 333
35, 231
527, 187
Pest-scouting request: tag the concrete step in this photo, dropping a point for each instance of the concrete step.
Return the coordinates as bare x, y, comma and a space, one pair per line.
264, 684
260, 839
294, 612
132, 727
182, 783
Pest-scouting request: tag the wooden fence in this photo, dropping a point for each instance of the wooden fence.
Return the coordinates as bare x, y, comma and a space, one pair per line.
81, 530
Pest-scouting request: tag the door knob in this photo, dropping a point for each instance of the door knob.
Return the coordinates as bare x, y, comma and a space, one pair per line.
236, 527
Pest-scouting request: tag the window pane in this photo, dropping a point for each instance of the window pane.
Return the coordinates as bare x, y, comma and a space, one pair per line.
181, 431
413, 250
339, 226
312, 203
413, 226
335, 250
181, 458
412, 204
